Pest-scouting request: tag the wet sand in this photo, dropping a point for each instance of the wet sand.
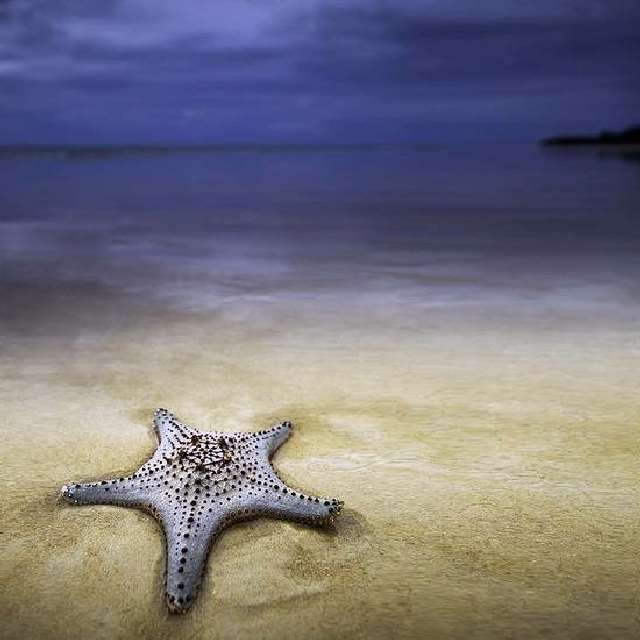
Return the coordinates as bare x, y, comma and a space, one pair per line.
486, 450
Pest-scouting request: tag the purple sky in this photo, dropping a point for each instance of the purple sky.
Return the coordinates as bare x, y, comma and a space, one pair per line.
349, 71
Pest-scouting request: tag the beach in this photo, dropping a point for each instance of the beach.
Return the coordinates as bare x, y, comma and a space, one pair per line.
456, 343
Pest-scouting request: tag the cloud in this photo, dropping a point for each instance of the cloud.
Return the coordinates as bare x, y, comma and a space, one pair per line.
250, 70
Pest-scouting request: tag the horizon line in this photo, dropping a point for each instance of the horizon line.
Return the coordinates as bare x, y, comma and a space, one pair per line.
110, 149
70, 148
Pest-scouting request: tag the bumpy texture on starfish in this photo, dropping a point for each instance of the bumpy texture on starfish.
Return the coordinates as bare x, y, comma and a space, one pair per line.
195, 484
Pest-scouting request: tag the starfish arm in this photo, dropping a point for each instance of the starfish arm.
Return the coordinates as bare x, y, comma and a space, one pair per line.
188, 545
288, 504
168, 429
272, 439
118, 491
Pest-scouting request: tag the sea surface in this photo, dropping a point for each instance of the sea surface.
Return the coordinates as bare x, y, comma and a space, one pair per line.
325, 220
453, 329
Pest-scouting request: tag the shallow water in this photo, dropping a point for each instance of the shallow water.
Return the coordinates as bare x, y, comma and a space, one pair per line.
455, 333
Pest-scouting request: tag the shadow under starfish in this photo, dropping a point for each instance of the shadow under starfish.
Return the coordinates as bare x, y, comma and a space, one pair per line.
195, 484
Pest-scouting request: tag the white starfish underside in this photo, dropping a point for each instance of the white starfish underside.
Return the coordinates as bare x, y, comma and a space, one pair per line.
195, 484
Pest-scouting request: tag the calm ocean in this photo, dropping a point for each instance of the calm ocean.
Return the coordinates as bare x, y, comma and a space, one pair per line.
261, 220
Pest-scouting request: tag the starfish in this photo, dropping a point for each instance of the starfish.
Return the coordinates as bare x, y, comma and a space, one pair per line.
195, 484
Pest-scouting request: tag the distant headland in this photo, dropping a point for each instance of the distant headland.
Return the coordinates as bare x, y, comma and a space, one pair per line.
629, 136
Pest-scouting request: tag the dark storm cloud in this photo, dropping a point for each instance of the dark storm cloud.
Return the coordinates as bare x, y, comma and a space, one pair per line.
349, 71
421, 48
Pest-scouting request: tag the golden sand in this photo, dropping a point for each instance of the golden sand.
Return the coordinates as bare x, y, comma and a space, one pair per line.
487, 455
